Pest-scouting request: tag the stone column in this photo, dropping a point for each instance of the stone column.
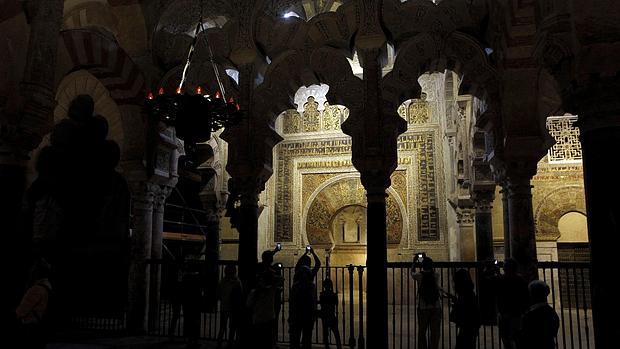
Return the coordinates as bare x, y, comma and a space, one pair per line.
483, 201
248, 238
157, 241
467, 239
598, 105
376, 264
603, 209
142, 199
213, 207
521, 218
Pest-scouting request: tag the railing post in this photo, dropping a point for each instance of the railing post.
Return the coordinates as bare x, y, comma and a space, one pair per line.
351, 268
361, 341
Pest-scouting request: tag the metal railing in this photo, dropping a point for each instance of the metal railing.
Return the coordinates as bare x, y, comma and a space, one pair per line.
570, 297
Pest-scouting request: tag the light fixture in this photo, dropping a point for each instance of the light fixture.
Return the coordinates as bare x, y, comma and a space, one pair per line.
194, 114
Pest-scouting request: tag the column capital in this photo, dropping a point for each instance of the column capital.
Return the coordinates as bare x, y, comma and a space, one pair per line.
483, 200
465, 216
160, 194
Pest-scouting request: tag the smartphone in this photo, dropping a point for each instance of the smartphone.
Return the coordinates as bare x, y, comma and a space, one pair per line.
420, 256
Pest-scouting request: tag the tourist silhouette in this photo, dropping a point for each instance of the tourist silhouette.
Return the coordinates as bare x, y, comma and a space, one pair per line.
512, 300
230, 295
329, 305
428, 302
302, 308
540, 322
465, 312
260, 302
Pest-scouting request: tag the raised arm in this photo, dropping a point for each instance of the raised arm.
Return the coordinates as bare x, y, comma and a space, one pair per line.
317, 263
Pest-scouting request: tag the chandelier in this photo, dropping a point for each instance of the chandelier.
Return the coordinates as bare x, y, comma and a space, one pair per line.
197, 113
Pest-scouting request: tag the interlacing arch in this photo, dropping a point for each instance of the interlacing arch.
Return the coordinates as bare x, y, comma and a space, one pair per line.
102, 56
427, 52
294, 69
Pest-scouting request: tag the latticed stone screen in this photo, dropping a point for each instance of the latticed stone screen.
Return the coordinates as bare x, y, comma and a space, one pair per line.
567, 148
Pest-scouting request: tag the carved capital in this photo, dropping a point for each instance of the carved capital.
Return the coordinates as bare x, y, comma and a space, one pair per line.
465, 216
142, 194
160, 194
483, 200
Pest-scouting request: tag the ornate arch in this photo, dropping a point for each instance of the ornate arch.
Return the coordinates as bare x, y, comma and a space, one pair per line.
431, 53
340, 192
556, 204
293, 69
101, 56
276, 35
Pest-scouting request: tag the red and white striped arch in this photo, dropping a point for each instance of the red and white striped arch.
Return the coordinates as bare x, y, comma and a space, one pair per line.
107, 61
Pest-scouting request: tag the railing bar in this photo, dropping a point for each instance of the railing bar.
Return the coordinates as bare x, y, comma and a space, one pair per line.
577, 306
361, 338
562, 309
401, 308
393, 309
442, 329
570, 309
585, 309
408, 310
352, 340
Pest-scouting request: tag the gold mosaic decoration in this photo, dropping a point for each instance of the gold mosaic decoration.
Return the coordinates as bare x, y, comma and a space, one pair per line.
314, 120
567, 147
417, 112
311, 116
322, 152
292, 121
338, 195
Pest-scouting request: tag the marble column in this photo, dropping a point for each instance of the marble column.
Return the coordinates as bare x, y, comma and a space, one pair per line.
483, 201
599, 148
376, 264
213, 208
375, 162
521, 218
157, 241
248, 239
465, 217
506, 217
142, 200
